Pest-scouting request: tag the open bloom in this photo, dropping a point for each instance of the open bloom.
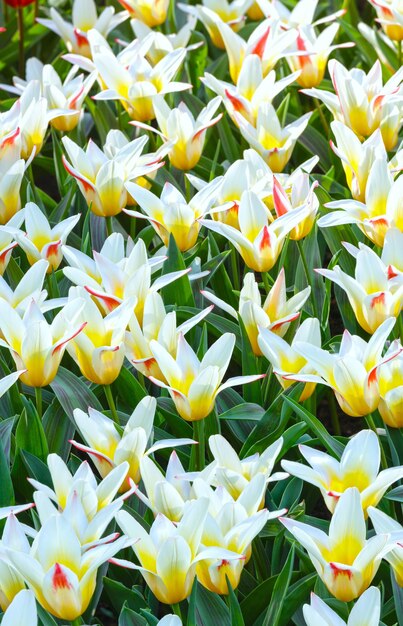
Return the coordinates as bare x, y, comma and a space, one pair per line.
101, 174
164, 44
345, 561
137, 84
185, 133
276, 313
258, 241
7, 243
151, 12
29, 288
40, 241
35, 345
272, 141
157, 325
302, 194
353, 372
22, 610
362, 102
367, 610
109, 449
172, 214
213, 13
390, 17
60, 573
374, 294
169, 554
11, 582
381, 209
313, 53
391, 392
193, 384
99, 349
12, 170
302, 14
84, 18
286, 359
385, 524
251, 89
358, 467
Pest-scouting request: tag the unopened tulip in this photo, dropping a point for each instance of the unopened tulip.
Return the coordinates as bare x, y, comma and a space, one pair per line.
390, 17
151, 12
11, 582
391, 392
213, 13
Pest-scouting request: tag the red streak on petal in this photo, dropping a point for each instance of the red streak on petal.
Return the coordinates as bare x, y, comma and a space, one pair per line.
236, 103
87, 186
378, 300
81, 38
59, 579
279, 198
53, 248
337, 571
61, 345
265, 242
260, 45
303, 60
76, 97
10, 140
280, 324
223, 563
391, 272
372, 378
110, 301
333, 495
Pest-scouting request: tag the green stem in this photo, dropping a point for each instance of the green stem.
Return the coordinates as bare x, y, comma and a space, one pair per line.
399, 53
177, 609
371, 424
109, 225
198, 435
38, 400
188, 191
77, 622
266, 281
20, 19
322, 118
111, 402
308, 278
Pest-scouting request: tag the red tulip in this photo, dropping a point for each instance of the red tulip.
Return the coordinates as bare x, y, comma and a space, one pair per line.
19, 4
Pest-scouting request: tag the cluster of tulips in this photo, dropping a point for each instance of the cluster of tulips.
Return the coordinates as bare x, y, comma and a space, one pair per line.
158, 250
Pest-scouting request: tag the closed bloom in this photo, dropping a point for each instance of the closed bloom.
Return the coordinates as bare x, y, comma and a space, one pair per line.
185, 133
366, 611
374, 294
169, 554
286, 359
385, 524
137, 84
272, 141
99, 349
352, 372
84, 18
11, 582
301, 194
258, 241
213, 13
313, 53
362, 102
7, 243
391, 392
172, 214
151, 12
22, 610
11, 176
276, 313
101, 174
61, 574
344, 559
29, 288
40, 241
193, 384
358, 467
35, 345
108, 448
390, 17
381, 210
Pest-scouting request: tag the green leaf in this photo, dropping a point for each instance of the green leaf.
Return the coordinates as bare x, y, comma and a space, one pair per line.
128, 617
30, 436
234, 608
121, 596
73, 393
211, 609
179, 292
278, 598
245, 411
36, 468
253, 391
6, 491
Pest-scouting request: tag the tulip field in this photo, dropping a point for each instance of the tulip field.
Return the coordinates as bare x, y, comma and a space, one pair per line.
201, 327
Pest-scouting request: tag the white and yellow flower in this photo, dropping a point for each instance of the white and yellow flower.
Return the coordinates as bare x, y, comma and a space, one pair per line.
164, 44
367, 610
7, 243
22, 610
390, 17
150, 12
385, 524
302, 14
391, 392
213, 13
29, 288
301, 194
11, 582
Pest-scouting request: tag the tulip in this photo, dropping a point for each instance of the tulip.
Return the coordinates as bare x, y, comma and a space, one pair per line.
345, 560
268, 41
185, 132
98, 349
362, 102
151, 12
61, 575
193, 384
164, 44
235, 474
313, 54
11, 583
385, 524
213, 13
251, 89
390, 17
391, 392
157, 325
302, 14
367, 610
286, 359
273, 142
137, 85
40, 241
353, 372
169, 554
172, 214
358, 467
301, 195
35, 345
29, 288
22, 610
170, 620
12, 170
258, 241
276, 314
381, 210
108, 448
84, 18
7, 244
101, 175
112, 277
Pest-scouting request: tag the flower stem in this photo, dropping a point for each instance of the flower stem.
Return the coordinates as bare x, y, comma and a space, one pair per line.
322, 117
109, 225
371, 424
177, 609
198, 435
77, 622
399, 53
111, 402
308, 278
20, 19
188, 191
38, 400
